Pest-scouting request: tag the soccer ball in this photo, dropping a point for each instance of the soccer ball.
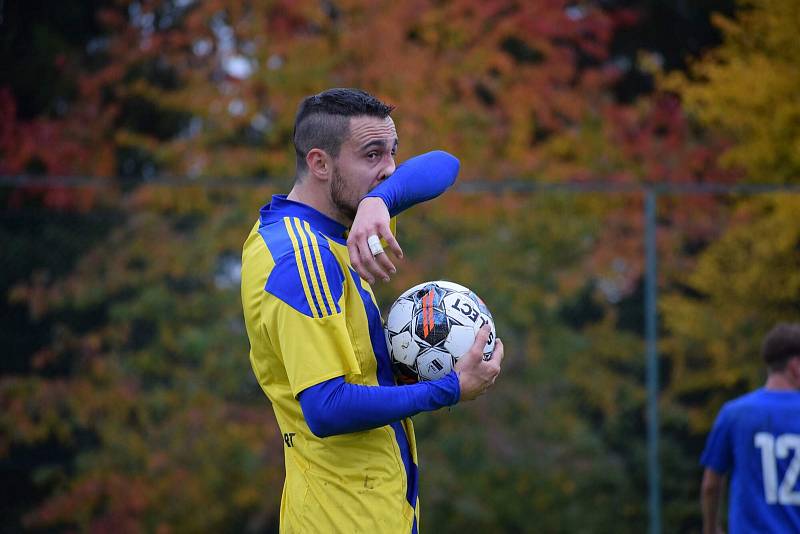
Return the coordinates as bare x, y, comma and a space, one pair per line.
430, 326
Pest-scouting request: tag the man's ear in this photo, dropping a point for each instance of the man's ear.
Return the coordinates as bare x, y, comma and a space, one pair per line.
320, 165
794, 368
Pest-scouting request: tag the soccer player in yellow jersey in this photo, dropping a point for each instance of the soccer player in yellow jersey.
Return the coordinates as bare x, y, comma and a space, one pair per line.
316, 333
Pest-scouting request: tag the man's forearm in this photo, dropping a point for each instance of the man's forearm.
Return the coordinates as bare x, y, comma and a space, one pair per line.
418, 179
337, 407
710, 493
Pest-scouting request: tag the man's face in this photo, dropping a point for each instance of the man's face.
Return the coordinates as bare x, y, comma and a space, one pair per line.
365, 159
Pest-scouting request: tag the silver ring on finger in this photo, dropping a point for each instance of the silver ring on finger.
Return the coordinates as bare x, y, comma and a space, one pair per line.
374, 243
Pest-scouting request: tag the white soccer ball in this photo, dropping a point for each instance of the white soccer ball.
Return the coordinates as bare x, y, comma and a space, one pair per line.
430, 326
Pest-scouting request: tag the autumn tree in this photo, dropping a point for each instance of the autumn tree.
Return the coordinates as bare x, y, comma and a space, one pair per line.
742, 90
745, 281
144, 377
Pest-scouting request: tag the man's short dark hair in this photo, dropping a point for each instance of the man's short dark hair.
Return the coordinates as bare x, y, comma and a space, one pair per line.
323, 120
781, 344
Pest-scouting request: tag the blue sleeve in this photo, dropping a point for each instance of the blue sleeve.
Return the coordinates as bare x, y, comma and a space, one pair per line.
718, 454
418, 179
338, 407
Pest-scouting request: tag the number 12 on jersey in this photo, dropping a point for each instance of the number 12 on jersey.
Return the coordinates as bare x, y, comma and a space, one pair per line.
772, 450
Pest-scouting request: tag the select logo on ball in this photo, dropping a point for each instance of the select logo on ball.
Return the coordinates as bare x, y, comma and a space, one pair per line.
430, 326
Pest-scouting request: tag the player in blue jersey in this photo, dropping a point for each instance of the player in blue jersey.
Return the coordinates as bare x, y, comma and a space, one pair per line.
756, 442
317, 344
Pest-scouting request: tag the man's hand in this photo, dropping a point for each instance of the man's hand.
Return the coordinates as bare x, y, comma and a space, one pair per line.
372, 218
476, 376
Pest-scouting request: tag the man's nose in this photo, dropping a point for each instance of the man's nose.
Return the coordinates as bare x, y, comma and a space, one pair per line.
390, 167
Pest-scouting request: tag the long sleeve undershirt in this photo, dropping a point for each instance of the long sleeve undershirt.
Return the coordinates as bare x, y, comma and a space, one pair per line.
338, 407
416, 180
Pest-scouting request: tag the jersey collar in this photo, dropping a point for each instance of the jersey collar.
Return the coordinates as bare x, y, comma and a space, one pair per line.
281, 207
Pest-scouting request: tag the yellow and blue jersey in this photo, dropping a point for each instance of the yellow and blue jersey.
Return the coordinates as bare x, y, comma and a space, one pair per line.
311, 318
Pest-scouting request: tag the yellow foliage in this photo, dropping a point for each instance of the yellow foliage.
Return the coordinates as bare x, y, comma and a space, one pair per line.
742, 285
748, 88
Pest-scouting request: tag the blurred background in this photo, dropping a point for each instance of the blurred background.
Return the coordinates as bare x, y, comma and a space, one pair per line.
139, 138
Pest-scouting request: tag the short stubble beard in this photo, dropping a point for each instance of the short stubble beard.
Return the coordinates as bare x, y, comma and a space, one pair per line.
339, 196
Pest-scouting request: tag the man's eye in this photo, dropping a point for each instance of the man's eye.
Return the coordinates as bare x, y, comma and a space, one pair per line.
372, 155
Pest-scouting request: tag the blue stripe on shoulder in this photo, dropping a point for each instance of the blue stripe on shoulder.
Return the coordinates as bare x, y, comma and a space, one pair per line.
284, 280
311, 268
323, 279
305, 269
277, 240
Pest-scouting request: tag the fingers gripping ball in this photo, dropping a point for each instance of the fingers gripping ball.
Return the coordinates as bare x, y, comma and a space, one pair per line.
430, 326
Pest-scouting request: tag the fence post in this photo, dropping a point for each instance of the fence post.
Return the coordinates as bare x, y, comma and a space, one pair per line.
650, 313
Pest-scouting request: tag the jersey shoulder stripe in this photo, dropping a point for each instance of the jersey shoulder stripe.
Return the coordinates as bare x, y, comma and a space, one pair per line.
313, 265
321, 278
307, 276
302, 261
